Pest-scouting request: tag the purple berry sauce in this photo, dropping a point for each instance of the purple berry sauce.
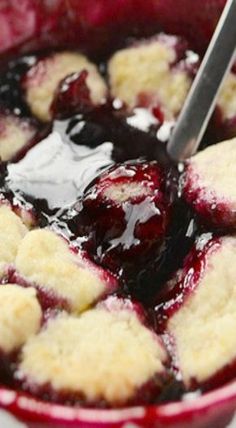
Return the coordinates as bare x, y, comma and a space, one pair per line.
53, 179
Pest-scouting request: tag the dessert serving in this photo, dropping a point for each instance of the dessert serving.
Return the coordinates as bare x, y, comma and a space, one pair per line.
117, 266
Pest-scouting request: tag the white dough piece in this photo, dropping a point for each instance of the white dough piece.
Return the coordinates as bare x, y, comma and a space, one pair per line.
20, 316
45, 259
15, 133
204, 326
103, 355
209, 181
144, 69
12, 231
227, 97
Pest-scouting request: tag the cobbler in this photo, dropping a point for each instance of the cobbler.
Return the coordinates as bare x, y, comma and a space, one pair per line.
117, 266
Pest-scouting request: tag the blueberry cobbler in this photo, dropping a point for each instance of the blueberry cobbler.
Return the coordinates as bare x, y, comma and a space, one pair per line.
117, 267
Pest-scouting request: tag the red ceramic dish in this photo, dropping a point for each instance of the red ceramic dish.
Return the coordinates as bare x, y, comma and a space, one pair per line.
215, 409
43, 24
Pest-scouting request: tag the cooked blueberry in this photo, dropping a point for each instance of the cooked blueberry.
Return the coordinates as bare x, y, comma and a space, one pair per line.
128, 209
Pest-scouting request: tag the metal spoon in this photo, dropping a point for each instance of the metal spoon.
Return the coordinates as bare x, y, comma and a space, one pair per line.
201, 99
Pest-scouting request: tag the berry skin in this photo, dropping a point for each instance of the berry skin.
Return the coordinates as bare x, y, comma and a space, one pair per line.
127, 211
20, 316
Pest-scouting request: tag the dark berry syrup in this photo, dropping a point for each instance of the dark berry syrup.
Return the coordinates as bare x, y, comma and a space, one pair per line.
51, 180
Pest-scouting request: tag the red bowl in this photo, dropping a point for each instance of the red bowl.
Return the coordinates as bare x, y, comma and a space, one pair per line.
213, 410
91, 25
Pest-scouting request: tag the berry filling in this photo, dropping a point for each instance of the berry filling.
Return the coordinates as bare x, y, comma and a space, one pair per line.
93, 227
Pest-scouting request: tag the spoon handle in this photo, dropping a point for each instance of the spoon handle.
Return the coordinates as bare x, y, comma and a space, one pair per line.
201, 99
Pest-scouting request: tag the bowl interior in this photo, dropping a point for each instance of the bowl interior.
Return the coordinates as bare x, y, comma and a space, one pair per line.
96, 27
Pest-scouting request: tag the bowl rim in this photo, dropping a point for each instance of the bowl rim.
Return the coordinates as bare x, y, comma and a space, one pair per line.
26, 408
